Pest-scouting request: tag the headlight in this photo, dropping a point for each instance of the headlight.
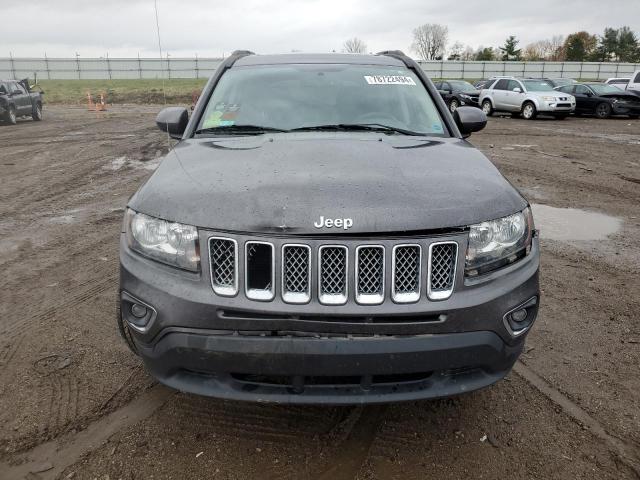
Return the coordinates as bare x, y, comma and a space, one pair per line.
549, 99
466, 97
497, 243
169, 242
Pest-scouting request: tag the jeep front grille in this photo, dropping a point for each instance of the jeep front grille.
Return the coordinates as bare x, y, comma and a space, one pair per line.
224, 265
370, 275
296, 273
442, 269
407, 260
300, 272
259, 271
332, 274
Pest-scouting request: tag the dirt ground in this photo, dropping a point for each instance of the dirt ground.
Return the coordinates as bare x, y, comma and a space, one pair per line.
74, 403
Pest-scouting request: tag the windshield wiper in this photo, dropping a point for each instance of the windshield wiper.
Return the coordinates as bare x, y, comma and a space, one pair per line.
365, 127
231, 129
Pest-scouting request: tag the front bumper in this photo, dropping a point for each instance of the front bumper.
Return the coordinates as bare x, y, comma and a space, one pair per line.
556, 107
272, 352
471, 101
626, 108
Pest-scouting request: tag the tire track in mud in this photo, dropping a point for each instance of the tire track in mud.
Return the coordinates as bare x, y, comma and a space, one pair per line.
627, 451
262, 422
52, 457
351, 454
16, 327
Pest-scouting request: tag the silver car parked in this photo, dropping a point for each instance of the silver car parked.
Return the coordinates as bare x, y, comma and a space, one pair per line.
525, 97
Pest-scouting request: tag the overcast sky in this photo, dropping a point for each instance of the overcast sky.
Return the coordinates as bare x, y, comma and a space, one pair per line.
216, 27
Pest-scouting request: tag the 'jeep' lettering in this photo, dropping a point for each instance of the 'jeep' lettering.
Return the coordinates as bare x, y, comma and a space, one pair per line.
345, 223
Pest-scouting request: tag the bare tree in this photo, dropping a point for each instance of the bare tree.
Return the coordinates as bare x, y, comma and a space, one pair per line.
355, 45
467, 54
430, 41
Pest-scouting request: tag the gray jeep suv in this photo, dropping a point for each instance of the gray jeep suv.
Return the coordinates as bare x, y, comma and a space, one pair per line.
526, 97
323, 233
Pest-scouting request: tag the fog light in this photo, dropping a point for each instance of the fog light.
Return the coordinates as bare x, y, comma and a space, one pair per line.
518, 320
139, 315
138, 311
518, 315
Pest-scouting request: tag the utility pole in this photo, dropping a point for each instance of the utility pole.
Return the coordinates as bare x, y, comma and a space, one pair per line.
78, 64
13, 66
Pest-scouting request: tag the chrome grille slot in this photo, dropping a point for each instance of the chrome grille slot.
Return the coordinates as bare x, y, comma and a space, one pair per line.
259, 271
370, 274
223, 253
332, 274
406, 267
443, 258
296, 273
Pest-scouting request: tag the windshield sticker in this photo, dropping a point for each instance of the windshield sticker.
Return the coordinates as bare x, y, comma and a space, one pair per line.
389, 80
224, 115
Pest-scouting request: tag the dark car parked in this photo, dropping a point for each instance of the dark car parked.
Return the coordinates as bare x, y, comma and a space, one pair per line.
480, 84
457, 93
17, 100
603, 100
323, 233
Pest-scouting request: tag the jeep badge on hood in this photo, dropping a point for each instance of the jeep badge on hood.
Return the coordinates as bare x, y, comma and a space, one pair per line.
345, 223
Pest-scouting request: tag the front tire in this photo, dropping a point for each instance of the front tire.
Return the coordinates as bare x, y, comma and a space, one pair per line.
603, 110
36, 114
123, 328
453, 105
10, 116
487, 108
529, 111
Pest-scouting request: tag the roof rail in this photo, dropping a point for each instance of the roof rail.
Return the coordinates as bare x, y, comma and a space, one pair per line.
391, 52
242, 52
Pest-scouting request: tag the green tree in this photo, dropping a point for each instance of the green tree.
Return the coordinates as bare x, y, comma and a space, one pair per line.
628, 48
484, 54
510, 52
580, 46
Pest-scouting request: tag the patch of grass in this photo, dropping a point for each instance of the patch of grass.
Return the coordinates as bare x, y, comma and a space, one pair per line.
143, 91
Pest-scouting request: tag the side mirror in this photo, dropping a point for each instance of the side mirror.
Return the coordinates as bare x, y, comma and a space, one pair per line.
173, 120
469, 120
588, 94
517, 90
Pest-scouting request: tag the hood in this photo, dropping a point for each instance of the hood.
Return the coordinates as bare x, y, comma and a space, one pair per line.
474, 93
284, 183
552, 93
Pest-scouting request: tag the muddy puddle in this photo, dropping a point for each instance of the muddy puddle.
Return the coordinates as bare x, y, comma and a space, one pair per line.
572, 224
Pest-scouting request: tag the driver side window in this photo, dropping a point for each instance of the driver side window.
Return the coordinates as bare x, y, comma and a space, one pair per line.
513, 84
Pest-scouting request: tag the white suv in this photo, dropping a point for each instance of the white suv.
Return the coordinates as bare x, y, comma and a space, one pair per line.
634, 83
526, 97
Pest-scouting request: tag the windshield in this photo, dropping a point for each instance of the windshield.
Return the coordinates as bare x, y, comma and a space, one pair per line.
602, 88
537, 86
462, 86
287, 97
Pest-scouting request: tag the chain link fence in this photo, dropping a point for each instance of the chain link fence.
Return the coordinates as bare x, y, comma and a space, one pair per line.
131, 68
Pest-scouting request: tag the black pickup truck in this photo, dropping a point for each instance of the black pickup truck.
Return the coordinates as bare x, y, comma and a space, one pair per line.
17, 100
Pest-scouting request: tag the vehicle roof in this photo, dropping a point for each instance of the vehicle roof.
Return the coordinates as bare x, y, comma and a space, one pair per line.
318, 58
